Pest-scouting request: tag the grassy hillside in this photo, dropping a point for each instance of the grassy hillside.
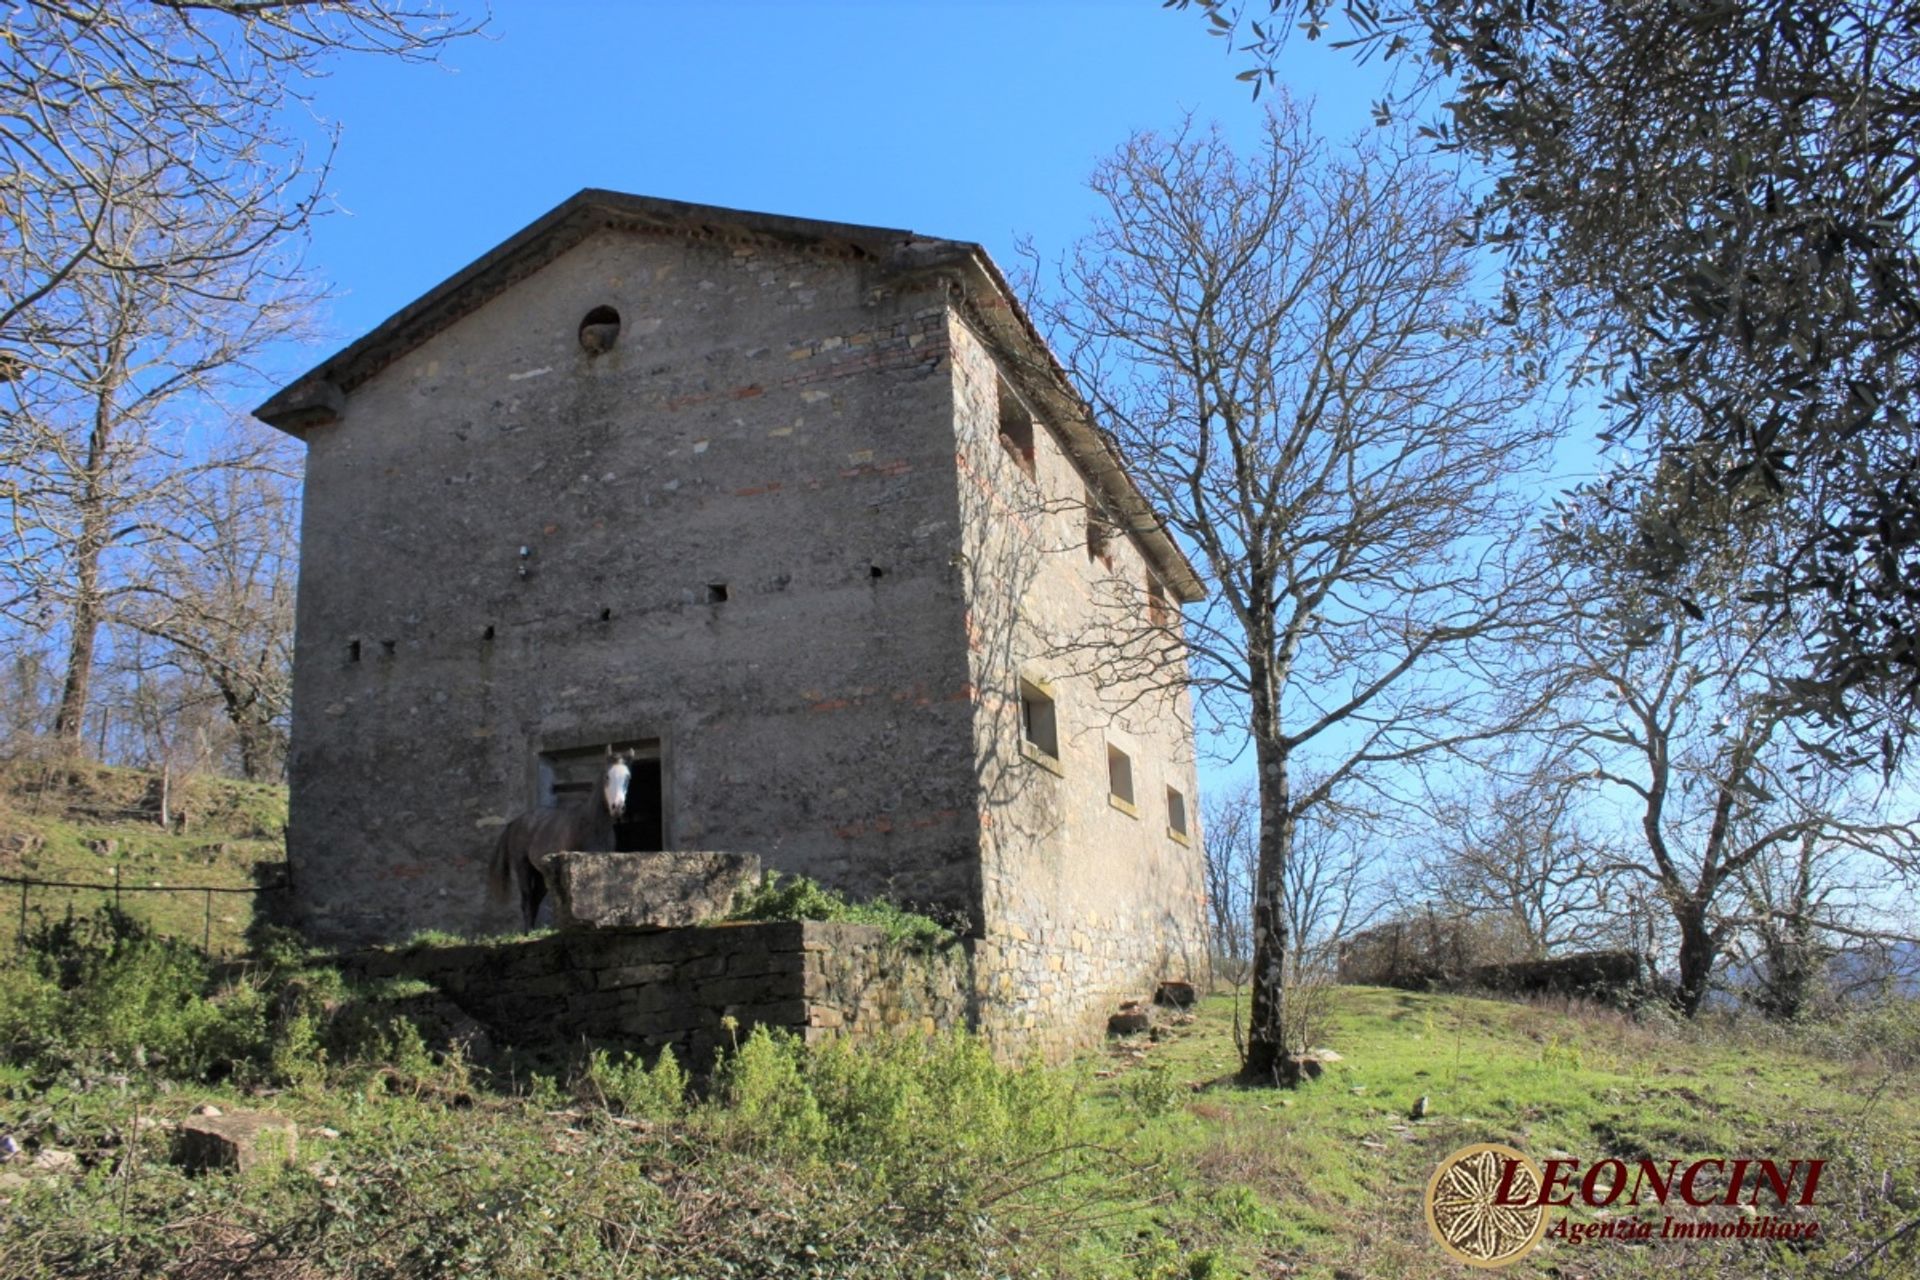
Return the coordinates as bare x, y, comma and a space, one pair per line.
84, 823
911, 1159
1335, 1173
1145, 1162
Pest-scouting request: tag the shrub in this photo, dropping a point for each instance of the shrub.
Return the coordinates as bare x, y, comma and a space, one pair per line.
1151, 1089
767, 1105
658, 1092
104, 990
802, 898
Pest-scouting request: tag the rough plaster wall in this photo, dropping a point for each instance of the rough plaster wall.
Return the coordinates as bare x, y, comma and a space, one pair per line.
1084, 905
770, 419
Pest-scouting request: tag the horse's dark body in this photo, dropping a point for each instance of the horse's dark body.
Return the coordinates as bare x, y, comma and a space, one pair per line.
530, 840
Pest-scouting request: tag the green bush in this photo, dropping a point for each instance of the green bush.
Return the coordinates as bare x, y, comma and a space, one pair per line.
627, 1084
103, 990
765, 1103
802, 898
1151, 1089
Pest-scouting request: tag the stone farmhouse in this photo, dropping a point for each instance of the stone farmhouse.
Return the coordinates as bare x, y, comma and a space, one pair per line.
805, 516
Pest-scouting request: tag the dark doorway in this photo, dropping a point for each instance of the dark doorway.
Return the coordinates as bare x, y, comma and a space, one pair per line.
569, 775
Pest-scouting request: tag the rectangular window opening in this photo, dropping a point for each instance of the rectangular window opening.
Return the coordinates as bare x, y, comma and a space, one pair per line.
1119, 775
1016, 427
1158, 614
716, 593
1037, 723
1099, 532
1176, 812
569, 775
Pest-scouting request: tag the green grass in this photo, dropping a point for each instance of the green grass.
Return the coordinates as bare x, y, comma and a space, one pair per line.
88, 823
1330, 1178
914, 1157
923, 1158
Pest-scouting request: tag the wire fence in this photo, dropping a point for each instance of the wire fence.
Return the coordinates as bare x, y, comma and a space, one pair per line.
117, 888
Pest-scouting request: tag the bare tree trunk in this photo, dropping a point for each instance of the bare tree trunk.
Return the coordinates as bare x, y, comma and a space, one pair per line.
1267, 1060
69, 721
1697, 955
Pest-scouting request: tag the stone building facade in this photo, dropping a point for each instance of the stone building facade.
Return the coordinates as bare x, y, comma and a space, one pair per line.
803, 514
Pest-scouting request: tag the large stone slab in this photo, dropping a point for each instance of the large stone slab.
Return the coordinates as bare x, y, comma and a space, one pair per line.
663, 890
240, 1140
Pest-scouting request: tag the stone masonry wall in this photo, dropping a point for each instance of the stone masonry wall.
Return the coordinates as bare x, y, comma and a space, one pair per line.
512, 546
1087, 902
648, 989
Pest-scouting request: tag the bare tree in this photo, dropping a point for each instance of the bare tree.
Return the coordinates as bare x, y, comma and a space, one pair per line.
1668, 703
104, 454
1290, 351
221, 594
151, 201
1231, 844
170, 111
1331, 889
1722, 197
1516, 843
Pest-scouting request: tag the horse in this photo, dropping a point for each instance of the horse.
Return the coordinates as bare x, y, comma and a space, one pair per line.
528, 842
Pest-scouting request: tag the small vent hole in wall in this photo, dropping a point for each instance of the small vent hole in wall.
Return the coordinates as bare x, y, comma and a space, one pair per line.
599, 330
353, 651
606, 615
488, 633
386, 648
875, 572
716, 593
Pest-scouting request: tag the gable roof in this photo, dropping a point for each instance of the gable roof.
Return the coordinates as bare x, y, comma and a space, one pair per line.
318, 397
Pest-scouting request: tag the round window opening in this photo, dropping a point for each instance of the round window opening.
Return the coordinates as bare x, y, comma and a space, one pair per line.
599, 329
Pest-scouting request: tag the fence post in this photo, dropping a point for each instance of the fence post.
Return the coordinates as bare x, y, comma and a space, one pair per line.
22, 938
206, 931
116, 886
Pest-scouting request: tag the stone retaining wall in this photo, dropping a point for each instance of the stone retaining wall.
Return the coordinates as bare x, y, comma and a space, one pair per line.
647, 989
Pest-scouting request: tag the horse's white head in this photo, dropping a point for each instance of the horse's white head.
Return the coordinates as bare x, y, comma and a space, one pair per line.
613, 787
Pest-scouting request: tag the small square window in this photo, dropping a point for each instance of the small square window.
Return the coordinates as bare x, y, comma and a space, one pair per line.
1120, 778
1037, 723
1016, 427
1176, 813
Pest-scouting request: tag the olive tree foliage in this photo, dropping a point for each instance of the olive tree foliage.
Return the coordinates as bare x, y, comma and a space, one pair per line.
1289, 349
1723, 196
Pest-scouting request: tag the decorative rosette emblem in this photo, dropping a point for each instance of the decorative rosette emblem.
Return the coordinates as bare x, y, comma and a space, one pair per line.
1471, 1218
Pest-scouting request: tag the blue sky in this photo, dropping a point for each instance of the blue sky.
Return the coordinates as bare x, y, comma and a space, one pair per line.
977, 120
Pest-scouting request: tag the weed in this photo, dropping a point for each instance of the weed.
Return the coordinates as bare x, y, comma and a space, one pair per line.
1560, 1054
627, 1084
1151, 1089
768, 1107
801, 898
